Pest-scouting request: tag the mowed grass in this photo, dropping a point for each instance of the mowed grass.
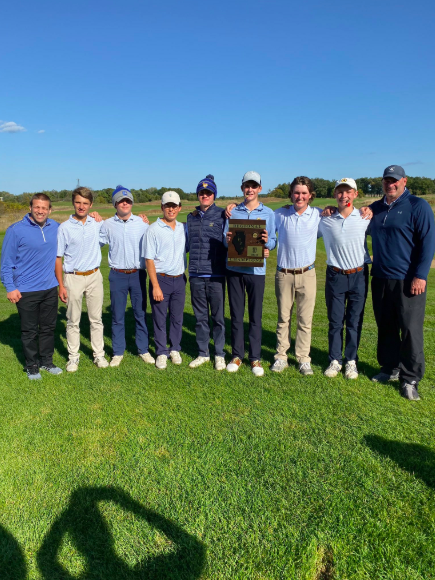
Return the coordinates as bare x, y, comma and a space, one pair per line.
138, 473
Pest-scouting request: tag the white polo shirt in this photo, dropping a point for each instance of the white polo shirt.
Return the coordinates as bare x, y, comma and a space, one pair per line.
79, 244
167, 247
297, 236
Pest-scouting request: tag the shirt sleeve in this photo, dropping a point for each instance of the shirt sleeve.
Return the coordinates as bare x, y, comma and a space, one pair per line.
8, 259
271, 232
104, 235
425, 246
61, 243
150, 245
224, 234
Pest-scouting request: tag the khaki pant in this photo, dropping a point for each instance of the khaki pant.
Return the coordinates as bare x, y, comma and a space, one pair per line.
291, 288
92, 288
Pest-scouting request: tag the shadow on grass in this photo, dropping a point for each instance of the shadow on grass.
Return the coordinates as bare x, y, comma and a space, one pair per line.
10, 334
12, 563
413, 457
91, 536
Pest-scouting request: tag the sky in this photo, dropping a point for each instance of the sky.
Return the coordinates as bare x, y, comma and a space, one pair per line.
145, 94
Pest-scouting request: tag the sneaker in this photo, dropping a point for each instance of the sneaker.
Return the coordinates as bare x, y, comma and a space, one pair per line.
72, 365
33, 373
116, 360
175, 357
219, 363
351, 372
200, 360
256, 368
233, 365
409, 391
100, 362
333, 369
305, 369
52, 369
386, 377
161, 361
279, 365
146, 357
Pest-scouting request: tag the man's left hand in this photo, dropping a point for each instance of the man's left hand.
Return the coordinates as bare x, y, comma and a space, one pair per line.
328, 211
96, 216
264, 236
418, 286
144, 218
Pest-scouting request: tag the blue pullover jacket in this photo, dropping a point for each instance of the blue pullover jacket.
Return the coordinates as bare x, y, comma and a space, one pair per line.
403, 235
28, 256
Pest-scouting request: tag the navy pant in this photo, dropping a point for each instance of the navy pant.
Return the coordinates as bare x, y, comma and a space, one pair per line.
399, 316
208, 297
120, 286
253, 285
38, 313
174, 296
345, 296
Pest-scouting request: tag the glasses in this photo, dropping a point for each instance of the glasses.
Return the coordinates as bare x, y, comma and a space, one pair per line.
205, 192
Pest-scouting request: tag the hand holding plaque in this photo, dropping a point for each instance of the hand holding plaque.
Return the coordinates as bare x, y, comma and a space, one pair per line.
246, 243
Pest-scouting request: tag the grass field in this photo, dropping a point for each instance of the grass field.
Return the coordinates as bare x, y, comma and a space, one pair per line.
134, 473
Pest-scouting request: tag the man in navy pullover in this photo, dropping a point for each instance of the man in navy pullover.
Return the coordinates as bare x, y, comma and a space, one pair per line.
403, 235
207, 269
27, 271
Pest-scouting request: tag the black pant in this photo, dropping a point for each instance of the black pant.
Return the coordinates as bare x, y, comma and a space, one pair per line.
254, 286
345, 296
209, 294
399, 316
38, 313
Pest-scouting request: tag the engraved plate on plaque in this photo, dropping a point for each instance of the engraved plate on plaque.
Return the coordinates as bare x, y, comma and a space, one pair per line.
246, 248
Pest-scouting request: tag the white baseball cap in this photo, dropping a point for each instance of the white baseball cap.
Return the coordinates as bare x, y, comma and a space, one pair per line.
171, 197
346, 181
251, 176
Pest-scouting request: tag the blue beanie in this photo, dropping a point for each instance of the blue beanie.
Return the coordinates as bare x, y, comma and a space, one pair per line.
121, 193
207, 183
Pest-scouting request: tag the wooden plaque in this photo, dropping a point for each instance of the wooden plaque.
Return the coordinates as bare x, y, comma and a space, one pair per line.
246, 248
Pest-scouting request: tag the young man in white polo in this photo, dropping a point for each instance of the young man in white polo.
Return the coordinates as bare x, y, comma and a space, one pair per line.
78, 244
344, 234
250, 281
165, 254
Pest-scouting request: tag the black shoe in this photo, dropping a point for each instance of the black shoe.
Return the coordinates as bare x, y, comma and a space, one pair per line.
409, 391
386, 377
33, 373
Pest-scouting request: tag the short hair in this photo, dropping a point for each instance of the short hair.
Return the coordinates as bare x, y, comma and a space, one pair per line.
41, 197
302, 180
84, 192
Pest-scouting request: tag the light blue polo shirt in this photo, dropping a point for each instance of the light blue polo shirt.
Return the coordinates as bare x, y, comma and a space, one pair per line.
79, 244
126, 240
167, 247
262, 212
345, 240
297, 236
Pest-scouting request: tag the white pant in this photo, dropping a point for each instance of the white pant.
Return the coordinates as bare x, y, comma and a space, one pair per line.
92, 287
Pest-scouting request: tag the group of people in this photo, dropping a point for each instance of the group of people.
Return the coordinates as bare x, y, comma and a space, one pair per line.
42, 260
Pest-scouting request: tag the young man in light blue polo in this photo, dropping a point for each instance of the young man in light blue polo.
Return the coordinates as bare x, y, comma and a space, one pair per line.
248, 280
344, 234
165, 254
125, 234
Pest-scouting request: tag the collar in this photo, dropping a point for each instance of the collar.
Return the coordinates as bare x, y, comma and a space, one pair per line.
32, 223
201, 212
73, 220
406, 191
243, 207
337, 214
162, 224
307, 212
118, 219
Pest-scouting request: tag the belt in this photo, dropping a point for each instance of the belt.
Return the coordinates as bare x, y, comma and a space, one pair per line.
297, 270
351, 271
87, 273
132, 271
169, 275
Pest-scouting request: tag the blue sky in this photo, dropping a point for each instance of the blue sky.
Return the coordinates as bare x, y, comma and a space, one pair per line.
160, 94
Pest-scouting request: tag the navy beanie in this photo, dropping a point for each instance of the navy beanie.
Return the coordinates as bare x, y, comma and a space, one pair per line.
207, 183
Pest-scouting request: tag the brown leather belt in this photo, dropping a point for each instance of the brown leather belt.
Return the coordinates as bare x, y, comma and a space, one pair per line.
351, 271
297, 270
126, 271
87, 273
169, 275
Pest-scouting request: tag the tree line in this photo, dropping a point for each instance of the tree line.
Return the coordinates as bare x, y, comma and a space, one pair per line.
323, 188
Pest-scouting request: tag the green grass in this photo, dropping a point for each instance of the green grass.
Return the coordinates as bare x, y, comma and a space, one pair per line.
139, 473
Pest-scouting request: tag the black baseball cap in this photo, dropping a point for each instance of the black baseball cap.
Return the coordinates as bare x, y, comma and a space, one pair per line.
394, 171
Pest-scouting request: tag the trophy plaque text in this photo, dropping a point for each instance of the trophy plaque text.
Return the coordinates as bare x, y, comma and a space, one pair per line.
246, 248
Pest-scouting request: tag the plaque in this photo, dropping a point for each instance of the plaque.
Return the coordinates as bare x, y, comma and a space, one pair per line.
246, 248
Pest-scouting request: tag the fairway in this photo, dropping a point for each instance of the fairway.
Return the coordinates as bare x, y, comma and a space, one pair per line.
135, 473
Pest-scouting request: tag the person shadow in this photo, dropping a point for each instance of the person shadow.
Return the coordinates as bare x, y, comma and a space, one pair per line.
417, 459
90, 533
12, 562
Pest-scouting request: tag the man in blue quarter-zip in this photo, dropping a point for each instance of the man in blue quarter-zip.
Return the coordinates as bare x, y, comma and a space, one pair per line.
249, 280
27, 272
125, 234
403, 234
207, 254
78, 243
